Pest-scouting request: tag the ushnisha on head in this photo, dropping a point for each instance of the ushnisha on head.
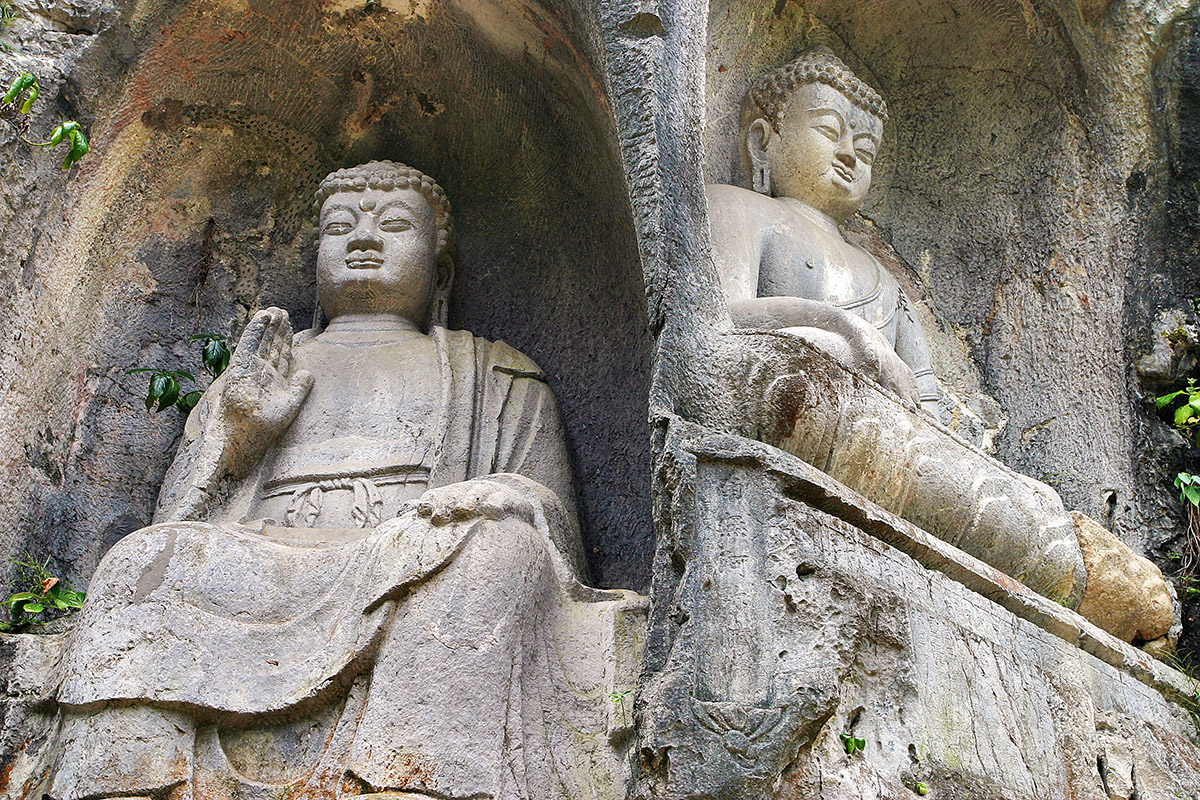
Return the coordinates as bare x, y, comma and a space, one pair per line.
812, 130
385, 244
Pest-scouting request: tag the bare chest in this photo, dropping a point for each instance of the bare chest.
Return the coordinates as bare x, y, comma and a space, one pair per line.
802, 260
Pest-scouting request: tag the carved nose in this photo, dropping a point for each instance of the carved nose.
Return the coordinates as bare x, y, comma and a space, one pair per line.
364, 239
846, 156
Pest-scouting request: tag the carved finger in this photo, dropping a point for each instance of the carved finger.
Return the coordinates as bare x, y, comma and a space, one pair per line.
299, 386
466, 504
282, 337
443, 512
263, 349
250, 341
496, 505
424, 507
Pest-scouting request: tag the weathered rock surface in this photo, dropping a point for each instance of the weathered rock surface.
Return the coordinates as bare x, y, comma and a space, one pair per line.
774, 635
1021, 202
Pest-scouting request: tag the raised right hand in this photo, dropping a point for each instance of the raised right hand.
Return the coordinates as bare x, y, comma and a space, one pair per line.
260, 394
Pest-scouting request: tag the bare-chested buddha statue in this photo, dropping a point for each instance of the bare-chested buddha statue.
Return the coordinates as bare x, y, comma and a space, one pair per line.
811, 133
813, 130
365, 574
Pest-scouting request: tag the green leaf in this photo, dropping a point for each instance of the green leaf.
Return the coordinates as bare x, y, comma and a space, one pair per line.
215, 355
59, 604
33, 608
28, 104
20, 596
18, 87
1182, 415
1167, 398
188, 401
170, 393
182, 374
920, 788
158, 387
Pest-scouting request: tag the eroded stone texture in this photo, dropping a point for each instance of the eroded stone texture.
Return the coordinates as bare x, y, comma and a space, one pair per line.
782, 631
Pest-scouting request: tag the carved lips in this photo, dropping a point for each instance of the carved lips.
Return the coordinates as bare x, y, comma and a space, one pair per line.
361, 260
843, 172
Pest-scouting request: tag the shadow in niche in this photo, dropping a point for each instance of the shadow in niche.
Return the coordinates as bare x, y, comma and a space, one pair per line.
234, 112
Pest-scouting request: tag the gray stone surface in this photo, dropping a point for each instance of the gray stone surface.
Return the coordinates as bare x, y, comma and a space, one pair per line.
1034, 147
774, 634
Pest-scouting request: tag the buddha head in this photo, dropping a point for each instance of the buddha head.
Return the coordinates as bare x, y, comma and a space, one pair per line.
812, 130
384, 244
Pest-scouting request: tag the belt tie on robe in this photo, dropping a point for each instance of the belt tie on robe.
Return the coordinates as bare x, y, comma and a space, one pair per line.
306, 502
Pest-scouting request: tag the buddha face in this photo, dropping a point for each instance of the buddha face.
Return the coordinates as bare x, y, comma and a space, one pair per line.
377, 254
823, 151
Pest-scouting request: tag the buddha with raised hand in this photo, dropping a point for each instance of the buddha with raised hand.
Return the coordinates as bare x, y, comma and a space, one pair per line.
363, 562
812, 130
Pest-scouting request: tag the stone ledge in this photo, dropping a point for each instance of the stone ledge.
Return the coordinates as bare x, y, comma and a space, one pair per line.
788, 612
808, 484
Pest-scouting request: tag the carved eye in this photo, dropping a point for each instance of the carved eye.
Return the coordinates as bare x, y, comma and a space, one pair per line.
828, 131
337, 228
865, 156
395, 225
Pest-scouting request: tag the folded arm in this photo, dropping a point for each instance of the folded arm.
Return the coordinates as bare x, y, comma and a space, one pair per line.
848, 338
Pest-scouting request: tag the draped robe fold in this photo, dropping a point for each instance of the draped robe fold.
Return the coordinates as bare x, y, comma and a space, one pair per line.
222, 624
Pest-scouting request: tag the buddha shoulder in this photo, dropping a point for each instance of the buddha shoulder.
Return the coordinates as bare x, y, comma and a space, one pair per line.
724, 199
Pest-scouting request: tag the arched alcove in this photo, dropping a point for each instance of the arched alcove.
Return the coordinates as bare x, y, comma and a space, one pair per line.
193, 211
1001, 202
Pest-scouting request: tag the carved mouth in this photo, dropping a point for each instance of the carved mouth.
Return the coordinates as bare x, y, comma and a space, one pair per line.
843, 173
364, 262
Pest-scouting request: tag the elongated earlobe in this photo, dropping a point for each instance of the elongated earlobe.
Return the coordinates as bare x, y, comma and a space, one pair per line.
439, 311
757, 137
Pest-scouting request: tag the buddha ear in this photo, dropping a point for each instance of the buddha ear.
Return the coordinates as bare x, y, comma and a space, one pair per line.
444, 274
758, 135
443, 281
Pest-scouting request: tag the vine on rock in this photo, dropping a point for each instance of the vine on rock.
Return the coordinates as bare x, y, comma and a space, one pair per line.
15, 106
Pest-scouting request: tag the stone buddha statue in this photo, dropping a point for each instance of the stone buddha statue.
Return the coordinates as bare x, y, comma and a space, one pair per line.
812, 130
811, 135
365, 575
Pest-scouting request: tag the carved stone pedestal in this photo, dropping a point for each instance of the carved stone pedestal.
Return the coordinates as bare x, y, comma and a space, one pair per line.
791, 614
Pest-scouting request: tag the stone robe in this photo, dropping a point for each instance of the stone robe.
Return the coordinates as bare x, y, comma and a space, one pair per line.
222, 659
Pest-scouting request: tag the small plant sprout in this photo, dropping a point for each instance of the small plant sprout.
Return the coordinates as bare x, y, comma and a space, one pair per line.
1186, 417
15, 106
619, 697
920, 788
38, 595
8, 14
164, 389
214, 352
851, 744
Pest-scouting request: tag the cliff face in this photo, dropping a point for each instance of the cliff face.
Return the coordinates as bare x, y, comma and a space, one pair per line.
1037, 196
